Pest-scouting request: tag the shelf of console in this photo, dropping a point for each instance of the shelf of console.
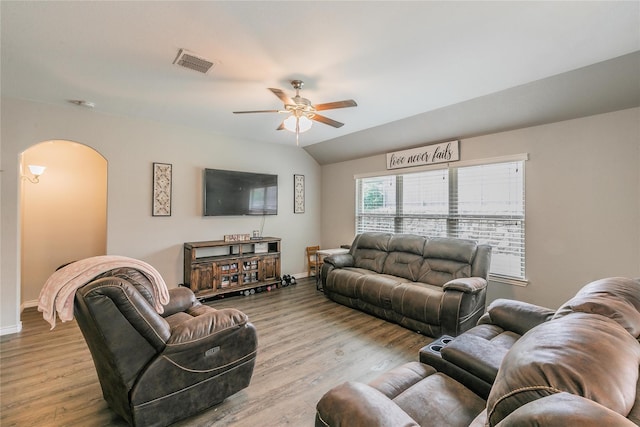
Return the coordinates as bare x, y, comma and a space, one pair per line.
237, 289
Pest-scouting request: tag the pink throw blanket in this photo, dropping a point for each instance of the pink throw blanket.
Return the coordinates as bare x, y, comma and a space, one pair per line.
59, 291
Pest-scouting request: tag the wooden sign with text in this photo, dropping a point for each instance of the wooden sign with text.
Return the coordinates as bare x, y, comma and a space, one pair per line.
428, 155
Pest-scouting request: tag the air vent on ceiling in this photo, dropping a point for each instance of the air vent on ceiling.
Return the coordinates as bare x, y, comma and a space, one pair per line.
189, 60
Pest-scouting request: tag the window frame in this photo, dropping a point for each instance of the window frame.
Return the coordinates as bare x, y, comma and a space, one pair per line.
396, 219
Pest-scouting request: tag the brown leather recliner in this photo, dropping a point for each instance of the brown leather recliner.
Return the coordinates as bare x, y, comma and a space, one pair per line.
474, 357
156, 369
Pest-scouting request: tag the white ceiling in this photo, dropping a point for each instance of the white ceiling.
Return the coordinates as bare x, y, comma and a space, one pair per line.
403, 62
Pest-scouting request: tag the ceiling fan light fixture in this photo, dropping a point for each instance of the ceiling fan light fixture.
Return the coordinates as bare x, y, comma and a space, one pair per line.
301, 112
304, 124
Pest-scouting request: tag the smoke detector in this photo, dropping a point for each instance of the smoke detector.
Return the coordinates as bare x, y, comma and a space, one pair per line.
193, 62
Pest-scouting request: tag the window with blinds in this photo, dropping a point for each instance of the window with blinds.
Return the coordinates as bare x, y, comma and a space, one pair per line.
483, 202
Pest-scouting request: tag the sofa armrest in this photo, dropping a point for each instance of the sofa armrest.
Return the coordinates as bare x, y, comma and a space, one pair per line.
332, 262
359, 405
180, 299
206, 327
340, 260
478, 356
468, 285
515, 316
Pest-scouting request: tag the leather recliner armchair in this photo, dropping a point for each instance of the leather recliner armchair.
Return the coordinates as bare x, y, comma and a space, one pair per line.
578, 368
156, 369
474, 357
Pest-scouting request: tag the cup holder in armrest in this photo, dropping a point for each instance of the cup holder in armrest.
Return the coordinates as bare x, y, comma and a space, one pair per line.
437, 346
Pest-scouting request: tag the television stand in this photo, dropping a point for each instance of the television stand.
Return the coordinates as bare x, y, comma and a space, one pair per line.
217, 267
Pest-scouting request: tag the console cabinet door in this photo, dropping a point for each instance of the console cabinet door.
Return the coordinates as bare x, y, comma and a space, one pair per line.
202, 278
250, 271
270, 267
225, 274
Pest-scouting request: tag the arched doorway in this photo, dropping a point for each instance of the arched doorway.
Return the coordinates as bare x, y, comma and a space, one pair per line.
64, 215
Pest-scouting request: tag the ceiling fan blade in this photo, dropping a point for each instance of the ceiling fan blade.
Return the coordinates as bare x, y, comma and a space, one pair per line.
281, 127
327, 121
283, 96
338, 104
257, 111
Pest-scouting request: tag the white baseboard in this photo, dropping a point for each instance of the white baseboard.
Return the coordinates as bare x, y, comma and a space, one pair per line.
28, 304
14, 329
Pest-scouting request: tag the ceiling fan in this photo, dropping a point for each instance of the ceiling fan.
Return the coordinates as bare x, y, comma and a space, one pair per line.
301, 111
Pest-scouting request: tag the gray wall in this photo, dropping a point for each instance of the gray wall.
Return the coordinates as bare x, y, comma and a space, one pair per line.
130, 147
582, 201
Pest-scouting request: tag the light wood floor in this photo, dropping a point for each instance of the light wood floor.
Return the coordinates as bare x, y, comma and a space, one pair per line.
307, 345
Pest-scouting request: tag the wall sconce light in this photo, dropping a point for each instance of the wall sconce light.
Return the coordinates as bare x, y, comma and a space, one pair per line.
36, 171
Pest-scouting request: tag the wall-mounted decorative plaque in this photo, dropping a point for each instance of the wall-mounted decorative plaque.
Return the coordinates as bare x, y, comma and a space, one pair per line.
298, 193
161, 189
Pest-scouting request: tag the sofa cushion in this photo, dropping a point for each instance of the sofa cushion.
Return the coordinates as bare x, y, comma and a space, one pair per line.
370, 259
418, 301
446, 259
359, 405
453, 249
405, 256
376, 241
397, 380
440, 401
403, 264
563, 355
617, 298
428, 397
371, 251
377, 289
436, 271
410, 243
344, 281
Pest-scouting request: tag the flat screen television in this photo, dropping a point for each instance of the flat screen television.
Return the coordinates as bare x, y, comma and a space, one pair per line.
228, 193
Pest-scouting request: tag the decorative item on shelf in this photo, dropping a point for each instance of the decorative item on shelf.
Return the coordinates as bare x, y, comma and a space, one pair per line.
36, 171
161, 189
298, 193
237, 237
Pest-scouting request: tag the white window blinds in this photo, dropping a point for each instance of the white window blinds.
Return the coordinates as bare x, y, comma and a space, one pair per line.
482, 202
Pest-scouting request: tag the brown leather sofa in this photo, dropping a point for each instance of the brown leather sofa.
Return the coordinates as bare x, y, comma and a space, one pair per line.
579, 368
156, 369
431, 285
